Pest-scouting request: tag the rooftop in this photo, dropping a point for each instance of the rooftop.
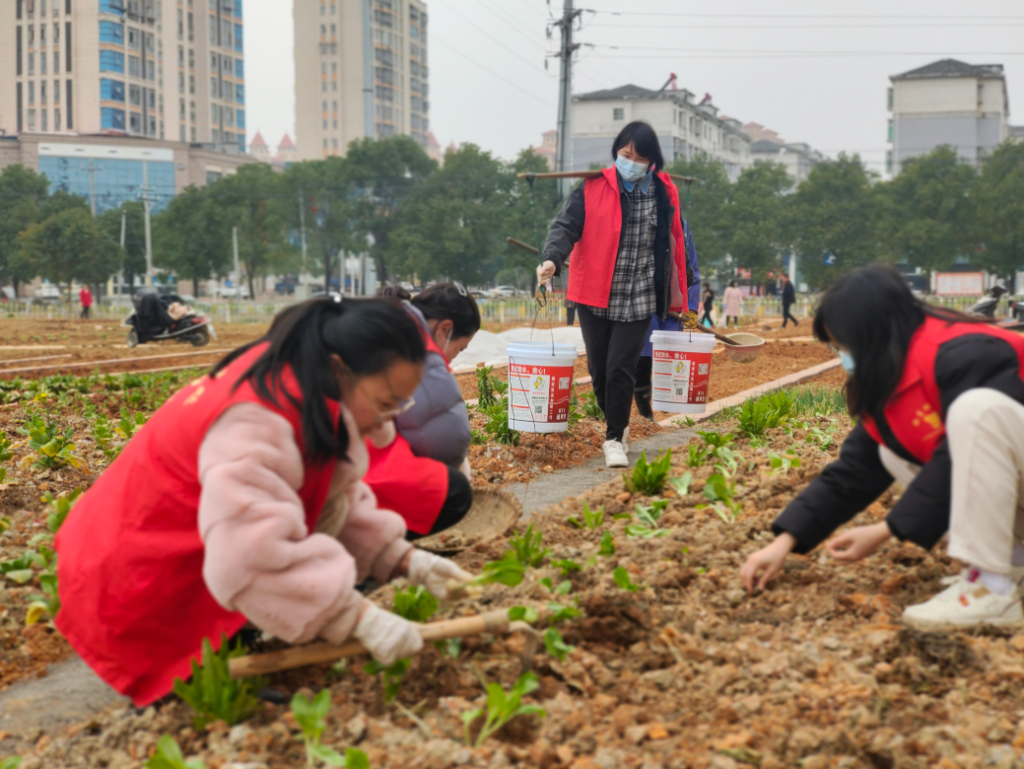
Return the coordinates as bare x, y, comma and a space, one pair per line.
950, 68
257, 140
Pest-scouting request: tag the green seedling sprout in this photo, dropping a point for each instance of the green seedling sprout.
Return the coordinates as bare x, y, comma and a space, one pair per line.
562, 588
567, 566
782, 463
697, 455
527, 547
722, 496
311, 718
607, 546
212, 693
522, 614
556, 646
727, 462
648, 515
415, 604
502, 708
561, 613
168, 756
13, 762
622, 579
592, 519
507, 571
682, 484
649, 479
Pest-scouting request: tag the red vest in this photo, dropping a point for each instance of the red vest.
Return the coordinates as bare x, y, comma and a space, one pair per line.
593, 258
914, 410
134, 603
414, 487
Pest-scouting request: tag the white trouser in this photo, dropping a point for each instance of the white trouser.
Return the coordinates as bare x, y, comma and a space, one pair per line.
985, 431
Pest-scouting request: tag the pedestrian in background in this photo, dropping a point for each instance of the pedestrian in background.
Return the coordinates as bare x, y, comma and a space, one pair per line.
709, 305
788, 300
733, 305
85, 297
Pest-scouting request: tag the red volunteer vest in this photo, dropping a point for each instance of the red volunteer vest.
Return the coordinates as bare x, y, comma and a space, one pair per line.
593, 258
914, 411
414, 487
134, 603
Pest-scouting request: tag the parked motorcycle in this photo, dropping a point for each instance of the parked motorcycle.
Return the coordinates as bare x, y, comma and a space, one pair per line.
157, 318
988, 304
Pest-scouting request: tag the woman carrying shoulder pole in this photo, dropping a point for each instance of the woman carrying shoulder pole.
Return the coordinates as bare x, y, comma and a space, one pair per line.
624, 232
939, 402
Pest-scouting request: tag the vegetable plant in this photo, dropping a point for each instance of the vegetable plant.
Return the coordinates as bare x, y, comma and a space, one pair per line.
765, 412
556, 646
129, 423
485, 387
311, 718
824, 438
723, 497
697, 455
59, 508
727, 462
527, 547
51, 447
591, 518
415, 604
522, 614
168, 756
607, 545
562, 588
5, 454
782, 462
622, 579
682, 484
715, 440
590, 407
561, 613
567, 566
212, 693
13, 762
507, 571
497, 424
649, 479
502, 708
648, 515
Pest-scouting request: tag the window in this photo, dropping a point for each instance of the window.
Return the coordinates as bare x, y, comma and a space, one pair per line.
191, 58
239, 69
150, 44
181, 82
618, 114
191, 32
112, 90
56, 92
56, 62
135, 95
323, 86
334, 86
42, 92
31, 34
238, 9
111, 32
334, 66
112, 119
135, 122
31, 92
229, 117
889, 99
32, 63
44, 125
240, 94
42, 63
134, 66
150, 69
325, 124
225, 34
181, 24
213, 31
152, 125
133, 39
42, 34
56, 120
892, 131
227, 65
56, 33
31, 120
323, 67
238, 38
112, 6
334, 105
240, 118
110, 61
334, 29
888, 157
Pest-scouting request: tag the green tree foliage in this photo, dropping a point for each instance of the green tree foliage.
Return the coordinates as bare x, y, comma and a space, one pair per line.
22, 192
755, 216
999, 224
70, 246
134, 256
708, 209
192, 238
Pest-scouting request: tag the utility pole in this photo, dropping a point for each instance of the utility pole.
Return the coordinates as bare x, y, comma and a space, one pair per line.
92, 168
147, 198
302, 226
234, 246
563, 156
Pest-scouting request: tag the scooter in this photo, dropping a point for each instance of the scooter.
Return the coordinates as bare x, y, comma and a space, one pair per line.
151, 322
988, 304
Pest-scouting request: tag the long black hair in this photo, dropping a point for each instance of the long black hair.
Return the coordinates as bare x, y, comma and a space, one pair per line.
873, 313
644, 141
367, 334
443, 301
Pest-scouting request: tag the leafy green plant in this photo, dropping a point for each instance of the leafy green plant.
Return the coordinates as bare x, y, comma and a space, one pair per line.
782, 462
649, 479
622, 579
607, 545
556, 645
59, 508
592, 519
507, 571
392, 677
51, 447
168, 756
212, 693
681, 484
723, 497
561, 613
527, 547
715, 440
13, 762
5, 455
590, 407
485, 387
567, 566
19, 570
562, 588
129, 423
727, 462
824, 438
502, 708
497, 424
415, 604
648, 516
312, 720
522, 614
103, 435
5, 523
765, 412
697, 455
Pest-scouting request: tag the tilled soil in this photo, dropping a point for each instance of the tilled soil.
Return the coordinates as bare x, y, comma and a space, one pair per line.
688, 671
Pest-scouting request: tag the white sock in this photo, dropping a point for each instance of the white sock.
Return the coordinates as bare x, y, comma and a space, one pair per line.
997, 583
1018, 554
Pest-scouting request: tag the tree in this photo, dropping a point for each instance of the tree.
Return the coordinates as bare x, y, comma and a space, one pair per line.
22, 193
707, 213
755, 218
999, 227
192, 238
70, 246
528, 214
927, 210
134, 253
832, 220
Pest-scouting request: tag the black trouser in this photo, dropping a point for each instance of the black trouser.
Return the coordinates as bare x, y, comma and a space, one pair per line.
613, 349
643, 391
455, 507
787, 315
707, 317
85, 312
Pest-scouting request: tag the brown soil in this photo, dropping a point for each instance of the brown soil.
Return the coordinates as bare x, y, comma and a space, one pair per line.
689, 671
835, 377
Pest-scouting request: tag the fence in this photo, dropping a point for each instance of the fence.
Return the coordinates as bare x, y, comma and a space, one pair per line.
226, 312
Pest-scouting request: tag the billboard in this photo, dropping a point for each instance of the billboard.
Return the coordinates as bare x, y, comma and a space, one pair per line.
959, 283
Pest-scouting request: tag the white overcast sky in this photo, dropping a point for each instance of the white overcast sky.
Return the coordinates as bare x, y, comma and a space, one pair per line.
813, 70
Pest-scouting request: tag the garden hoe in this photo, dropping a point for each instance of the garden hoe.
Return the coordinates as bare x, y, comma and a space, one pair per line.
496, 622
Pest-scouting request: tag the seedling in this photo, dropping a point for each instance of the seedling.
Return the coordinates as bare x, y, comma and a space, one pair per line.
562, 588
561, 613
823, 438
392, 678
168, 756
415, 604
5, 524
648, 515
649, 479
765, 412
782, 463
527, 547
522, 614
5, 454
485, 387
129, 423
212, 693
497, 424
59, 508
590, 407
697, 455
592, 519
567, 566
311, 718
51, 448
622, 579
502, 708
722, 496
104, 437
507, 571
19, 570
607, 546
682, 485
556, 646
728, 462
715, 440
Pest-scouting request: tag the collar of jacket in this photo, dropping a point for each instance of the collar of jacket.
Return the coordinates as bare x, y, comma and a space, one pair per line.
644, 182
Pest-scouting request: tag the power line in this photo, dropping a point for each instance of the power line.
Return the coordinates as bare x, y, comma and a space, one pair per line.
724, 54
805, 16
492, 37
809, 26
511, 23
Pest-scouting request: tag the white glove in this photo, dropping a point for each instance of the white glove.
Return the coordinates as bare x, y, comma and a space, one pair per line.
438, 575
545, 271
466, 470
387, 636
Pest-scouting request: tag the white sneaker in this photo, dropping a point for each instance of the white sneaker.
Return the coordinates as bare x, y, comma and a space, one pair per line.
963, 604
625, 441
1016, 574
615, 454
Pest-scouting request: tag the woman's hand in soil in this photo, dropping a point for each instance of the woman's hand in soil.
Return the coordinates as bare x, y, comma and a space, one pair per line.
387, 636
545, 271
766, 562
858, 543
438, 575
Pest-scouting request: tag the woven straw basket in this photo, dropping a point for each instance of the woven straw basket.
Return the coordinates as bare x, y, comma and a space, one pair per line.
493, 513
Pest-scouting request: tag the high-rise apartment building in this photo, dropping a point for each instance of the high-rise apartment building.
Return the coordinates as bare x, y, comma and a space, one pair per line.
160, 69
360, 70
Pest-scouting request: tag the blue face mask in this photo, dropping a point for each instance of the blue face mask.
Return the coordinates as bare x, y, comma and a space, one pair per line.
630, 170
846, 359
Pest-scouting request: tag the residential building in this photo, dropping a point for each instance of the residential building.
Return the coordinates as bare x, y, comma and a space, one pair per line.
947, 102
286, 151
758, 133
434, 149
685, 128
258, 148
361, 69
171, 70
548, 148
798, 158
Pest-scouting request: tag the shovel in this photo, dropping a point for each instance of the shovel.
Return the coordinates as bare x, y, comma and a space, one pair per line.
496, 622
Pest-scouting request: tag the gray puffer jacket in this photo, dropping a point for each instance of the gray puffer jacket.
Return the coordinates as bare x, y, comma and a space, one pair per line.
437, 426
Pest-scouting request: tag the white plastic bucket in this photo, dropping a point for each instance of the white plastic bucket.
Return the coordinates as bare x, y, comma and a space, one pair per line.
681, 370
540, 386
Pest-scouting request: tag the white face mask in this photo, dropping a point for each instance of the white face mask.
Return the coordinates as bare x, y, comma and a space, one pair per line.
447, 341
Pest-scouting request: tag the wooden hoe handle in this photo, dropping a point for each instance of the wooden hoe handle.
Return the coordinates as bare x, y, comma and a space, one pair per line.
320, 653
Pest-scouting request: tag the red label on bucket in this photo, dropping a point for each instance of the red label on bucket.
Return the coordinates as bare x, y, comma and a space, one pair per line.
540, 394
681, 377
